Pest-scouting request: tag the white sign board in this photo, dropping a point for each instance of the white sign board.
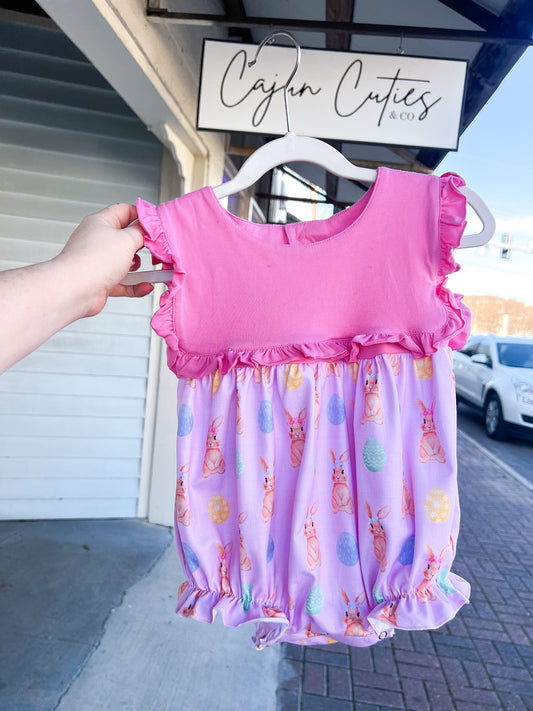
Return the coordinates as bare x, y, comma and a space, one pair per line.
351, 96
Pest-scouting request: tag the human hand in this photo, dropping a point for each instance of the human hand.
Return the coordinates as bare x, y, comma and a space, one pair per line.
101, 251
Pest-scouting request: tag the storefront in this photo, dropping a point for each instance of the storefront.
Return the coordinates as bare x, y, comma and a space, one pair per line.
99, 106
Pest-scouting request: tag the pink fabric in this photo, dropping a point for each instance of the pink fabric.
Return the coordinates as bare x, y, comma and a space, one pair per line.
248, 294
316, 492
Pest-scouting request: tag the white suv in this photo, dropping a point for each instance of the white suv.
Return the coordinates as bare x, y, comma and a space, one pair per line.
495, 374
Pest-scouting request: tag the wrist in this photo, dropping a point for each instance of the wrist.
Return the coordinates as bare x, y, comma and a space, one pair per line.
83, 295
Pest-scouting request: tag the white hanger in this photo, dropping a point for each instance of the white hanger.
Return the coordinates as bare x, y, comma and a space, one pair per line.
485, 215
292, 148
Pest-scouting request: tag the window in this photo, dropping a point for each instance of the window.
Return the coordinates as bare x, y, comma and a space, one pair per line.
516, 355
471, 347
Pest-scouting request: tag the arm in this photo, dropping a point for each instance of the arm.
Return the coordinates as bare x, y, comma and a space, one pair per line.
41, 299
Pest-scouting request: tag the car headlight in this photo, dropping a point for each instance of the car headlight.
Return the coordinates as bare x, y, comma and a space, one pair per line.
524, 391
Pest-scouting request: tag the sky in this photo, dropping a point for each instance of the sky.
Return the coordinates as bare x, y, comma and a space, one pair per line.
495, 157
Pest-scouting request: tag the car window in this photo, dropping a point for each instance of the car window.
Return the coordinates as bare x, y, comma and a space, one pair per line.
484, 348
470, 348
516, 355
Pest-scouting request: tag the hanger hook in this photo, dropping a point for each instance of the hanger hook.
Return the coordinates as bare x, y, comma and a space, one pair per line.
400, 49
269, 39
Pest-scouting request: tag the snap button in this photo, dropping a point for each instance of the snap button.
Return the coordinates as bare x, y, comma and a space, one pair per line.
383, 634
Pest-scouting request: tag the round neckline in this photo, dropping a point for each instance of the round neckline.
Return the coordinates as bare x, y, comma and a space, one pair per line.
248, 227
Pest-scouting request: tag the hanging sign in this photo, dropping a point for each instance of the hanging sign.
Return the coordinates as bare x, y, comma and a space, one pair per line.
351, 96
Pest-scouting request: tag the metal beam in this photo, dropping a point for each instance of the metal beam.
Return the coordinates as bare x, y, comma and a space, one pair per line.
349, 28
235, 8
339, 11
475, 13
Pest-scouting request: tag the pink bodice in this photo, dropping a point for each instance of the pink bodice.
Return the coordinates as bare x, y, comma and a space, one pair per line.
368, 280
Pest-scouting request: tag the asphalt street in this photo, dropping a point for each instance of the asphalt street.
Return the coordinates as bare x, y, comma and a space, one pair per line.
515, 452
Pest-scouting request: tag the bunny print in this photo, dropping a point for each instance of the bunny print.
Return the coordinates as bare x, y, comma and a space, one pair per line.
245, 562
341, 499
373, 411
317, 407
182, 504
223, 554
333, 369
390, 613
408, 505
394, 361
309, 633
424, 590
262, 374
430, 447
354, 370
268, 486
239, 422
239, 419
314, 557
352, 616
378, 532
269, 609
191, 608
297, 435
213, 459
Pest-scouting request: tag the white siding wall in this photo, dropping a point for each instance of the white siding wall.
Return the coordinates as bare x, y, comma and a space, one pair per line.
72, 413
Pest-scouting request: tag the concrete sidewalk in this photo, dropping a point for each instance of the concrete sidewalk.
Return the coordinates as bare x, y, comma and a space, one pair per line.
88, 624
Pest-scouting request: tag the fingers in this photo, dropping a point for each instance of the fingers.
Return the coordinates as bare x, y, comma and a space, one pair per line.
120, 215
135, 263
123, 216
132, 291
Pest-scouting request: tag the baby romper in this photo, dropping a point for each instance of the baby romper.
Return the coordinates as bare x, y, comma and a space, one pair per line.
316, 448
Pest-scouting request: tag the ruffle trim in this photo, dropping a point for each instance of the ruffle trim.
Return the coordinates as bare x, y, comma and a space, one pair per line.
154, 236
408, 612
192, 365
454, 331
452, 223
203, 605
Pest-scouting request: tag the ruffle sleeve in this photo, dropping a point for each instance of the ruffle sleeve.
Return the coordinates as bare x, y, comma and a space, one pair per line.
452, 222
154, 236
155, 239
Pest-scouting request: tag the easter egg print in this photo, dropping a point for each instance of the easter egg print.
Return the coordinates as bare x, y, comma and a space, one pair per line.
270, 549
444, 583
292, 376
190, 558
265, 419
246, 596
215, 381
423, 367
377, 595
437, 505
239, 464
374, 455
335, 410
185, 420
347, 551
315, 600
218, 509
407, 552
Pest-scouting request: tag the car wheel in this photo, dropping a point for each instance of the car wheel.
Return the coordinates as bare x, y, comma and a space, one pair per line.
494, 423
